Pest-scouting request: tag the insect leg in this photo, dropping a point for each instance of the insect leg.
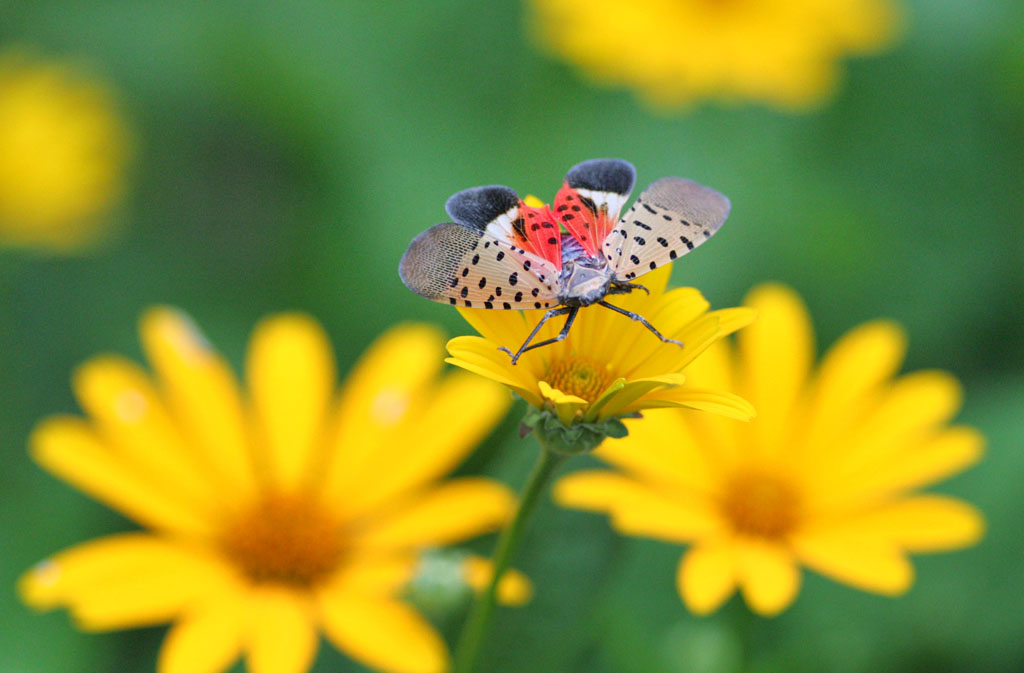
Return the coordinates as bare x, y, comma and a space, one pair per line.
561, 335
622, 287
640, 319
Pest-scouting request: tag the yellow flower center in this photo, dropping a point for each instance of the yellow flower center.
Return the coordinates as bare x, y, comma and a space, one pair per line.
761, 504
284, 539
579, 376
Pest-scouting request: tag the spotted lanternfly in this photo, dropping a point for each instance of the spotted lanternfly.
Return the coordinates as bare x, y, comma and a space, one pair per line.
500, 253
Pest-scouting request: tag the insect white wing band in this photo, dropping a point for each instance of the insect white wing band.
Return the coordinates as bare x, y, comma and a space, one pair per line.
610, 201
460, 265
670, 218
605, 182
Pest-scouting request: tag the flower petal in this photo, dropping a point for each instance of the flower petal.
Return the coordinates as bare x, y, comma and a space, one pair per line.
126, 581
907, 414
671, 313
483, 357
768, 575
714, 370
714, 401
203, 393
557, 397
660, 448
707, 576
207, 640
384, 635
290, 369
924, 523
731, 320
131, 418
865, 562
636, 508
913, 465
391, 378
776, 353
698, 333
500, 328
456, 510
636, 389
446, 426
514, 588
567, 407
855, 367
375, 574
281, 637
659, 358
68, 448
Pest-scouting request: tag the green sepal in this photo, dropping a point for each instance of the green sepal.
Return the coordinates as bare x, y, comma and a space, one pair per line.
574, 439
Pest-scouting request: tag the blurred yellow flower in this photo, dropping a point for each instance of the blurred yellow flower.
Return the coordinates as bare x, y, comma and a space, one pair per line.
63, 148
608, 366
824, 477
273, 517
673, 52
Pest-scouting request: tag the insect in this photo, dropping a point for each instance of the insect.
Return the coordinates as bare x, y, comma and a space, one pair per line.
500, 253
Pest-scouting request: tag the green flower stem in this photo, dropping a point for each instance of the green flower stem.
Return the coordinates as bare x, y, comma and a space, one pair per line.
480, 614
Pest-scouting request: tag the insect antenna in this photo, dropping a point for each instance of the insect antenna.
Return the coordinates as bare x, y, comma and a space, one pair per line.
571, 310
642, 320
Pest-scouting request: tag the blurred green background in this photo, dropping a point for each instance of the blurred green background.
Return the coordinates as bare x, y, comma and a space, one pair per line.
287, 152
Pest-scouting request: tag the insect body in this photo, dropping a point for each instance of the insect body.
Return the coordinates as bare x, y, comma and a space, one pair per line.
500, 253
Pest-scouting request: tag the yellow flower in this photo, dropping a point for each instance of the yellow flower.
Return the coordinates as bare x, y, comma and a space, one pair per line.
63, 148
273, 517
673, 52
823, 478
608, 366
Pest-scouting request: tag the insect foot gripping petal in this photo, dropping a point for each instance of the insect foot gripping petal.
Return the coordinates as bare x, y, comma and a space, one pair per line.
553, 313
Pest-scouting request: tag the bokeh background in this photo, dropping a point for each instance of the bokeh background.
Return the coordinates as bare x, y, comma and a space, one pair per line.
283, 155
